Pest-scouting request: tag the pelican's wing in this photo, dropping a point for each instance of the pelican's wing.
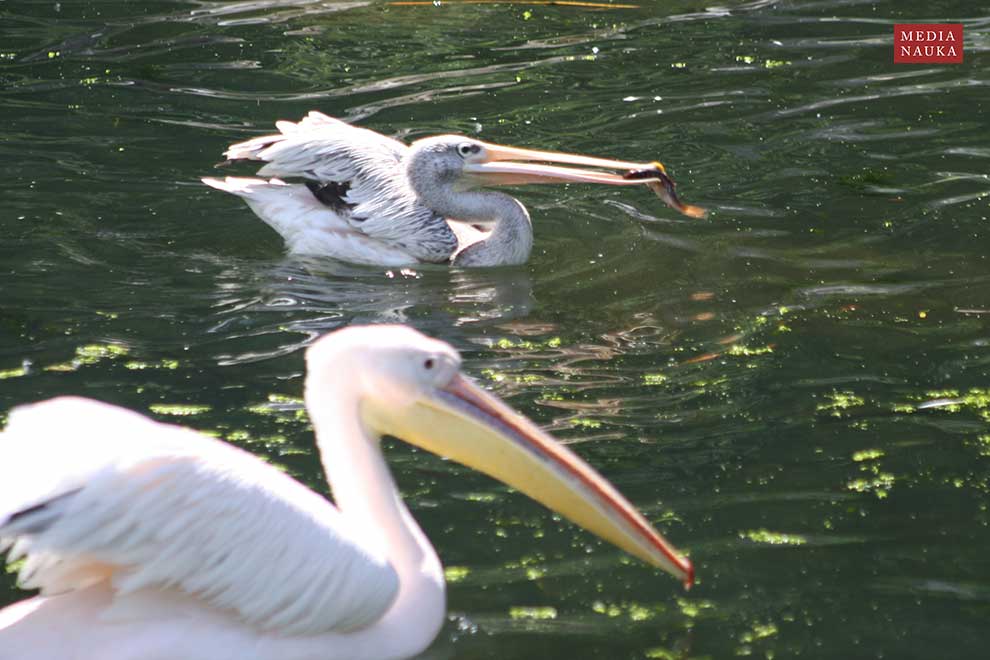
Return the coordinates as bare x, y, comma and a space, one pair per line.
90, 492
367, 175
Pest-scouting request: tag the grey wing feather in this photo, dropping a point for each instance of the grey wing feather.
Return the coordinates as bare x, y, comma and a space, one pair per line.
382, 205
36, 518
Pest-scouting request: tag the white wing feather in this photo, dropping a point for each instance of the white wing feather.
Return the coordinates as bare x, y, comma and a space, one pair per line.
307, 225
90, 492
324, 149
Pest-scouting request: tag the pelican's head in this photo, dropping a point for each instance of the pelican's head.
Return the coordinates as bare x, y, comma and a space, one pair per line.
465, 162
411, 387
455, 162
441, 160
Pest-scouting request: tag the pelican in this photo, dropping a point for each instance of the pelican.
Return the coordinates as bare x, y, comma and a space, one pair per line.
153, 542
370, 199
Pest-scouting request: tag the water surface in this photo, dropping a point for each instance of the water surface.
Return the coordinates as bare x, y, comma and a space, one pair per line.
795, 390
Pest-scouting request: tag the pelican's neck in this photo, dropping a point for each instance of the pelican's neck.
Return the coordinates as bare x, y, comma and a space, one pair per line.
508, 243
362, 485
366, 494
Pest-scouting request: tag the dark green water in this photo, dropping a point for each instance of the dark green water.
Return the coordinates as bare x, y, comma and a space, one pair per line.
796, 389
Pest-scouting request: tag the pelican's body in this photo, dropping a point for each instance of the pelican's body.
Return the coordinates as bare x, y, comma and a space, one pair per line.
153, 542
367, 198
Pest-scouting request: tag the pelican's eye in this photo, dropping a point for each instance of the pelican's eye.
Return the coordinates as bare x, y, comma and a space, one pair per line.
466, 149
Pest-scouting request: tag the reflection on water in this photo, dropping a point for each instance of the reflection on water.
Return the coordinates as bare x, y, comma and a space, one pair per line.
794, 389
309, 297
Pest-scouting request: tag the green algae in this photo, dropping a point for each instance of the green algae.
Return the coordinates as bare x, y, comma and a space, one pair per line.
533, 613
179, 409
766, 537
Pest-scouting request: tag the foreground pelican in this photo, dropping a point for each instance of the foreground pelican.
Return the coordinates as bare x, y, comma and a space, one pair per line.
370, 199
153, 542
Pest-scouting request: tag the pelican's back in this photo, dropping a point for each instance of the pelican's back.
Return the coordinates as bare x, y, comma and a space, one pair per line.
357, 193
112, 510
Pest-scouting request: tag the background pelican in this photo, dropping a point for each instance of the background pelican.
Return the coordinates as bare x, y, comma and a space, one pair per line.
370, 199
153, 542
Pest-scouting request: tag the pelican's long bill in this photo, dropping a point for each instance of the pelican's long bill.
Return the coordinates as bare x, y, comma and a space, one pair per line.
464, 423
502, 165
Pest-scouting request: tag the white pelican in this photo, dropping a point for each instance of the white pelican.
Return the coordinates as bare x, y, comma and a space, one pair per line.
370, 199
153, 542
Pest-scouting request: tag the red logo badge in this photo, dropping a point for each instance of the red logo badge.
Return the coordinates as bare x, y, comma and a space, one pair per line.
928, 43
